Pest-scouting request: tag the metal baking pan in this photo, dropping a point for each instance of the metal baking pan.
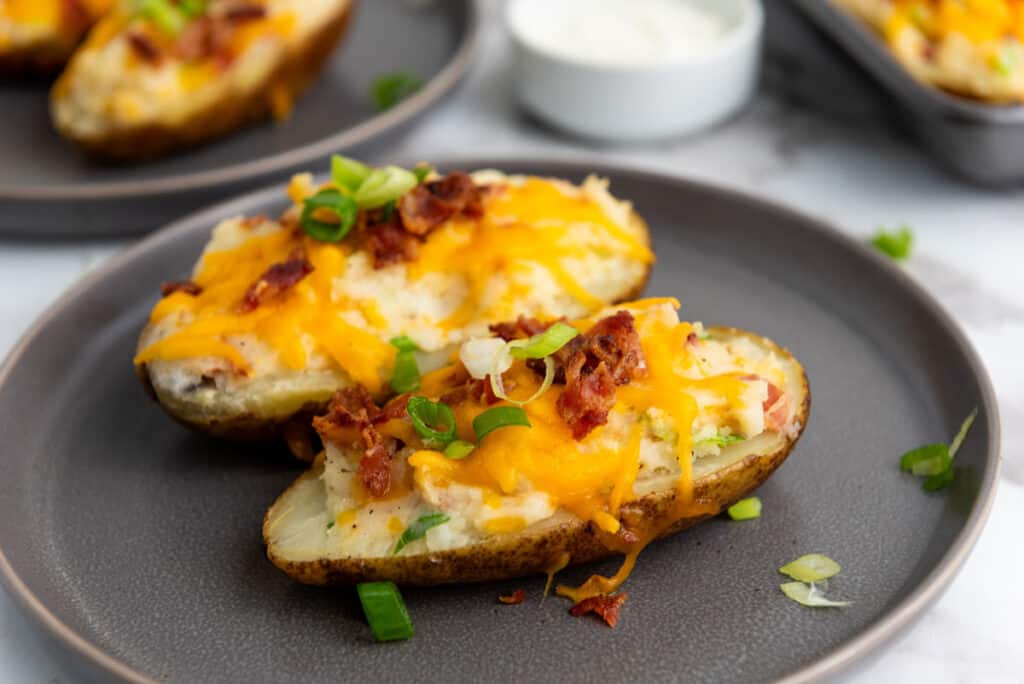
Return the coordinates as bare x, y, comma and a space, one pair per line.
981, 142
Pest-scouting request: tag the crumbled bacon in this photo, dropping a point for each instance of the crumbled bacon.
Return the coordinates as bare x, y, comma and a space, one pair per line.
473, 389
513, 599
776, 409
609, 354
239, 13
275, 280
187, 286
520, 328
143, 47
604, 606
428, 205
75, 15
389, 242
354, 408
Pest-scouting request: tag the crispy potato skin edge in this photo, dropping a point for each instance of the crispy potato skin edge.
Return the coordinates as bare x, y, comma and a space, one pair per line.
509, 556
248, 427
294, 74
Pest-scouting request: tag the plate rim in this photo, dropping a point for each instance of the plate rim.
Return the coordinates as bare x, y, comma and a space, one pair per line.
870, 640
254, 170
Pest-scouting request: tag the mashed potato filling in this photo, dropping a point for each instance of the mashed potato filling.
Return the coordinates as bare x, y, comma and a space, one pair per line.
697, 399
543, 248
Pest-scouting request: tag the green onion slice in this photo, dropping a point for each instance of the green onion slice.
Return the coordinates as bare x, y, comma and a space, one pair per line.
809, 595
745, 509
405, 377
896, 244
192, 8
720, 440
383, 186
421, 172
331, 200
813, 567
545, 343
434, 421
348, 173
961, 435
498, 385
419, 528
389, 89
165, 15
926, 454
385, 611
499, 417
459, 450
939, 480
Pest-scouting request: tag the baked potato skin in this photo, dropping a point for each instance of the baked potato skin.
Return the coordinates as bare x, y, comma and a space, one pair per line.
530, 553
217, 421
40, 60
292, 76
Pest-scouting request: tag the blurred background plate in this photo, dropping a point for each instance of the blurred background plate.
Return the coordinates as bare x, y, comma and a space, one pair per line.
136, 543
48, 189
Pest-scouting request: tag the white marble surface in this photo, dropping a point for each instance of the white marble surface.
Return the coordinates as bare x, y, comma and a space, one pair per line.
846, 166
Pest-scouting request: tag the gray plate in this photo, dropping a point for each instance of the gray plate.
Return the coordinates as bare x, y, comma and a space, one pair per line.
137, 544
48, 189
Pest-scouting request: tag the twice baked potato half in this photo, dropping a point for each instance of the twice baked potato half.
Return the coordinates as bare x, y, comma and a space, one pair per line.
972, 49
37, 37
276, 316
650, 426
156, 76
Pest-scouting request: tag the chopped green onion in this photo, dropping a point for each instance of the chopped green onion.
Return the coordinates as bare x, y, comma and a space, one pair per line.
192, 8
703, 335
745, 509
498, 384
390, 89
499, 417
385, 611
1007, 59
458, 450
328, 200
348, 173
419, 528
405, 377
330, 524
545, 343
812, 567
935, 461
961, 434
923, 455
384, 185
808, 595
165, 15
720, 440
434, 421
422, 171
895, 243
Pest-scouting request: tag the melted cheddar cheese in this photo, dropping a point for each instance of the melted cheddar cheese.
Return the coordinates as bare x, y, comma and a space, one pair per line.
518, 476
525, 255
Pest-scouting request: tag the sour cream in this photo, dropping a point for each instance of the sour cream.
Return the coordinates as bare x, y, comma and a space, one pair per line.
627, 32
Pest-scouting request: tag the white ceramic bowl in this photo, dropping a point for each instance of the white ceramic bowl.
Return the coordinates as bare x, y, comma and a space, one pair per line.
634, 100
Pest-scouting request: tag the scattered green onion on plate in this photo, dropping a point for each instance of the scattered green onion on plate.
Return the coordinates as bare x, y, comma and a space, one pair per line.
812, 567
389, 89
809, 595
896, 244
545, 343
935, 461
745, 509
385, 611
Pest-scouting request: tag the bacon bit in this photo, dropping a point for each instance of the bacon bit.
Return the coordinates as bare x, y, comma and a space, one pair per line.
776, 409
604, 606
692, 340
240, 13
389, 242
250, 222
353, 407
75, 15
428, 205
143, 47
275, 280
203, 37
479, 391
609, 354
513, 599
186, 286
520, 328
